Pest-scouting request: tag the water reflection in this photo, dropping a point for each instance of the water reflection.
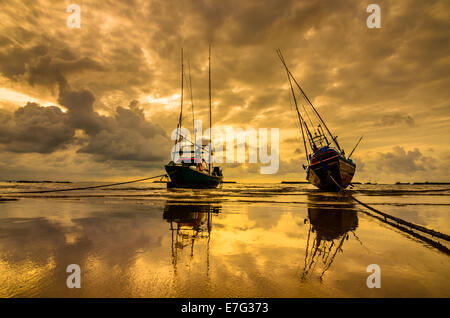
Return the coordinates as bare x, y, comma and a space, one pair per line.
180, 248
189, 223
331, 218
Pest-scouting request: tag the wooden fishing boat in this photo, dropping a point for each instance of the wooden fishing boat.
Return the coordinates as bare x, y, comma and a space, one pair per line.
330, 170
327, 167
193, 171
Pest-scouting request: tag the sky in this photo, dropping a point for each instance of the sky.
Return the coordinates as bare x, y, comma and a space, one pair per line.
99, 102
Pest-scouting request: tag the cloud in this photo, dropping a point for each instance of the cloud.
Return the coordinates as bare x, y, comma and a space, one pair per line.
48, 70
404, 162
126, 136
34, 128
14, 58
361, 80
397, 119
81, 112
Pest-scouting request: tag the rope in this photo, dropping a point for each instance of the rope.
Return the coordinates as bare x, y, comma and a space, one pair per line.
86, 188
398, 220
403, 222
414, 234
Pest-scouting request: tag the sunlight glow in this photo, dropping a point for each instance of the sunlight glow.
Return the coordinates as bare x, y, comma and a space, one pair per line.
170, 102
20, 99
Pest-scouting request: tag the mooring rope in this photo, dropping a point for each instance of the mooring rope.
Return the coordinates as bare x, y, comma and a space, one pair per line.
86, 188
403, 222
416, 234
398, 220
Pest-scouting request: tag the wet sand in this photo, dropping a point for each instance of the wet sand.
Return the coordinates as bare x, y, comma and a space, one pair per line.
245, 240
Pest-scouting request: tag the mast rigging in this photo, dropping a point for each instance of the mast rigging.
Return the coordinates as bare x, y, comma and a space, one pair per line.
280, 55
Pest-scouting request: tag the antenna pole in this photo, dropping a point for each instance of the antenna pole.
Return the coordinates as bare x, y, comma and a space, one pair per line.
351, 153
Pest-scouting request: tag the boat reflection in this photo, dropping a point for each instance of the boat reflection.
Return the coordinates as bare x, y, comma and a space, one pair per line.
189, 223
331, 218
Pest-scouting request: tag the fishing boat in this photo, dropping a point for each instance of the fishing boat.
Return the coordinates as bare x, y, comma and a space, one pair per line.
327, 167
193, 171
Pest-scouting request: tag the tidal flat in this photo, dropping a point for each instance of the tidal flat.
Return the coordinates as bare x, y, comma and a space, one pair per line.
243, 240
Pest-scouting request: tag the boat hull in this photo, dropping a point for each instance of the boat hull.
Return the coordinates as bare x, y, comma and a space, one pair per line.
333, 174
186, 177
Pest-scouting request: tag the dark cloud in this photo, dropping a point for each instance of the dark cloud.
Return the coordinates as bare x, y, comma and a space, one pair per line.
81, 112
47, 70
405, 162
34, 128
126, 136
14, 58
53, 63
395, 120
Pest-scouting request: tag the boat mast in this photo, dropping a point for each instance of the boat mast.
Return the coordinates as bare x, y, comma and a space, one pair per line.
312, 144
181, 103
182, 89
210, 115
316, 112
192, 104
299, 117
302, 121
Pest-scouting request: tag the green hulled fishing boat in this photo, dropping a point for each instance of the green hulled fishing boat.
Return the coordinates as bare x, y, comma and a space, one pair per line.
193, 171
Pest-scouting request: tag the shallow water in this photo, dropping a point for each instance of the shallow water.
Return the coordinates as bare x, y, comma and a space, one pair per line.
244, 240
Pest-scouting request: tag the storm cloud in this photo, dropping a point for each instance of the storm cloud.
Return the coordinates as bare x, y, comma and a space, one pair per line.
126, 136
33, 128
